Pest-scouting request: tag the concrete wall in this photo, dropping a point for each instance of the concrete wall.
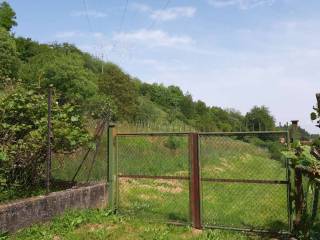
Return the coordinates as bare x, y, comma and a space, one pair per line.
23, 213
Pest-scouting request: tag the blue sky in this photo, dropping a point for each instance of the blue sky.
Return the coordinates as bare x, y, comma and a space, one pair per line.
228, 53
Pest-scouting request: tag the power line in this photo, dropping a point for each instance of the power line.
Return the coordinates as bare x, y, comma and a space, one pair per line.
155, 20
92, 31
153, 23
123, 15
87, 15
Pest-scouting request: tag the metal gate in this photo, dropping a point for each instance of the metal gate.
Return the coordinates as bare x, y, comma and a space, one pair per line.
222, 180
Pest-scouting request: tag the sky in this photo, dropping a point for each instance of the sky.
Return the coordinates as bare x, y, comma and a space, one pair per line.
227, 53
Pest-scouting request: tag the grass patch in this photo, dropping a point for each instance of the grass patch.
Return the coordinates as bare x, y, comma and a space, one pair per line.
101, 224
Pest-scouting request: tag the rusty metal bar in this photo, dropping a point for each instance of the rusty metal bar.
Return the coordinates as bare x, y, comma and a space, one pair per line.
200, 133
299, 205
219, 180
195, 181
49, 151
226, 180
152, 134
249, 230
242, 133
154, 177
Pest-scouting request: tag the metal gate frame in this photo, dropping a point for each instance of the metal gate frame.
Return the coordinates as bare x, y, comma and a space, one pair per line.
194, 178
255, 181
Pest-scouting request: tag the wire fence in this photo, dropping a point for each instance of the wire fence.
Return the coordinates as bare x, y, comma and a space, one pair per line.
153, 173
243, 181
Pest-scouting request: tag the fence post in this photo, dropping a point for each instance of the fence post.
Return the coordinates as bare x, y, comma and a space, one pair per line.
111, 168
315, 202
49, 153
194, 180
298, 198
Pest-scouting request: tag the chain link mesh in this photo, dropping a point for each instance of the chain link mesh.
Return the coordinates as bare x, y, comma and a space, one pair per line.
150, 169
154, 179
237, 181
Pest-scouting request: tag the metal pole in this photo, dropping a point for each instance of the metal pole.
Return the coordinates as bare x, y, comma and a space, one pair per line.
111, 167
49, 153
195, 180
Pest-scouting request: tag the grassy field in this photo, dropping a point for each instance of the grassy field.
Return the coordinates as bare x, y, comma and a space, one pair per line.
101, 225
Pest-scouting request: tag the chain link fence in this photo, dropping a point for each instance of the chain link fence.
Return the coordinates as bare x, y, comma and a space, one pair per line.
243, 178
153, 174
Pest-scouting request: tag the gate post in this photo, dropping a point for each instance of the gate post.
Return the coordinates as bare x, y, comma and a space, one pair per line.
111, 180
299, 204
194, 189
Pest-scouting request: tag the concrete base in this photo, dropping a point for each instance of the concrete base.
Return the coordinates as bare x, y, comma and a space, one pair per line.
23, 213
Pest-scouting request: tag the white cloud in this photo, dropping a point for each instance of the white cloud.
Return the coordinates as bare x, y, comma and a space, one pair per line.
141, 7
242, 4
78, 34
153, 38
173, 13
165, 14
90, 13
68, 34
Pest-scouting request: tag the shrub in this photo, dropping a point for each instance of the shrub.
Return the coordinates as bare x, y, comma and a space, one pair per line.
23, 135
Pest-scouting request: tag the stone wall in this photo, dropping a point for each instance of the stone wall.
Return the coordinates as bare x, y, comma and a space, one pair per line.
25, 212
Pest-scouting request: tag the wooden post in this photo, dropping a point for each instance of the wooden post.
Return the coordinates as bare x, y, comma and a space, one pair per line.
194, 180
298, 199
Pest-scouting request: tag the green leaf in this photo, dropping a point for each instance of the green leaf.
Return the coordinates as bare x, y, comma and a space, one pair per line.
313, 116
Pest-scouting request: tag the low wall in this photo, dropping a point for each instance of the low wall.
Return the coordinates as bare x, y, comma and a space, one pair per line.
25, 212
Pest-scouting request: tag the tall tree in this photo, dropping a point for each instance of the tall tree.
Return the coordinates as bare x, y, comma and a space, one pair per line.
65, 71
115, 83
259, 118
7, 16
9, 62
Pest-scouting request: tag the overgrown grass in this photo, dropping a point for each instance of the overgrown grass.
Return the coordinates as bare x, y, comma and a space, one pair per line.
101, 224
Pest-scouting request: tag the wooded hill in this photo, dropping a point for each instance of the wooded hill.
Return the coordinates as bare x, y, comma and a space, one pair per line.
87, 82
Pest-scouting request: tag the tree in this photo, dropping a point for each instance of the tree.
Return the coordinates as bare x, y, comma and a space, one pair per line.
259, 118
9, 61
65, 71
7, 16
115, 83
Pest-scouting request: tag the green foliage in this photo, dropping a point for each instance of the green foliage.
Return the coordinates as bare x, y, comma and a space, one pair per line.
7, 16
259, 118
315, 116
65, 71
102, 107
9, 62
173, 142
115, 83
274, 147
27, 48
23, 131
146, 111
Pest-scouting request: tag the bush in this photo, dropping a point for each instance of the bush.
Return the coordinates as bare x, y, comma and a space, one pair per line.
23, 135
